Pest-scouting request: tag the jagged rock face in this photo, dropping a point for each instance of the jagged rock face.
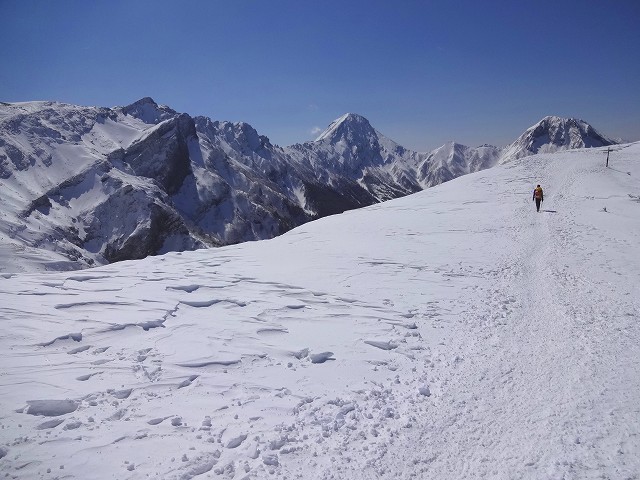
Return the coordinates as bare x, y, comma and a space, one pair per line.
83, 186
239, 142
243, 185
163, 153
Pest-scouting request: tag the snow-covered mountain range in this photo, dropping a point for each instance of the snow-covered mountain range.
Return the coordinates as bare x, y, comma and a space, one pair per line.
84, 186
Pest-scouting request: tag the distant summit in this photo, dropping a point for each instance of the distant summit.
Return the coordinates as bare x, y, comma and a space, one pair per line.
349, 127
350, 151
554, 133
147, 110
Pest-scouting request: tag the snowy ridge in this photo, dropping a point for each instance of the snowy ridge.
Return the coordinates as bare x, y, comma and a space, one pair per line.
85, 186
454, 333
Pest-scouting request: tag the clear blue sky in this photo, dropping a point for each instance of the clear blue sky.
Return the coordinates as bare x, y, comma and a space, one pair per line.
423, 72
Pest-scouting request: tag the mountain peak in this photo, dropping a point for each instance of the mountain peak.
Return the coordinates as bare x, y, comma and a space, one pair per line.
567, 132
553, 120
147, 110
144, 101
349, 126
554, 133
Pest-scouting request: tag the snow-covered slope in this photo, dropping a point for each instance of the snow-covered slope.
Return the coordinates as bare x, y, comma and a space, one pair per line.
453, 333
86, 186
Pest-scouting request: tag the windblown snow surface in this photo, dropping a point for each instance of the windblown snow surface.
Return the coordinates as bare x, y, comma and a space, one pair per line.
451, 334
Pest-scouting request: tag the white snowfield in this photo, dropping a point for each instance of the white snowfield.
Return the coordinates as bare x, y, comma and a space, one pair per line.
452, 334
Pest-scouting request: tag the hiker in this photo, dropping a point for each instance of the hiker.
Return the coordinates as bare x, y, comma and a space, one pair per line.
538, 196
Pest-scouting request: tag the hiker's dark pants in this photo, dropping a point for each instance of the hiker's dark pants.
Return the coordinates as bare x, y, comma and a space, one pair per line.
538, 204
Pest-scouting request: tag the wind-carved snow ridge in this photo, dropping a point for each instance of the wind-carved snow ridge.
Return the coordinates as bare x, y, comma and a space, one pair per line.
455, 333
87, 186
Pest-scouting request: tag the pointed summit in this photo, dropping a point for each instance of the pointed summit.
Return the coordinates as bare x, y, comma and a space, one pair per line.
144, 101
147, 110
349, 127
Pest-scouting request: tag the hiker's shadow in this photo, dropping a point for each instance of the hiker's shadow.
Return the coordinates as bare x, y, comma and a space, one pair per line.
550, 211
619, 171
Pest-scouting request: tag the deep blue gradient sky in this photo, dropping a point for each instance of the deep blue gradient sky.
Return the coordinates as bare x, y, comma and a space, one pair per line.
423, 72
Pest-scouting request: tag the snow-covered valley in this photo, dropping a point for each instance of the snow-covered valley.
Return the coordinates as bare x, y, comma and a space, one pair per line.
451, 334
